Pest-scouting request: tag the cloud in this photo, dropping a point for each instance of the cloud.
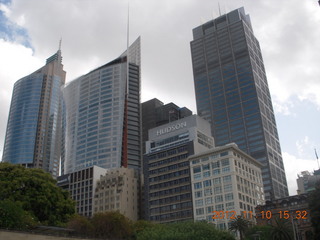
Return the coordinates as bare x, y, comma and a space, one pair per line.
294, 166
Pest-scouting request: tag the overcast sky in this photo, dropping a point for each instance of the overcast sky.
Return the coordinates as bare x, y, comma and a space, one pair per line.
93, 33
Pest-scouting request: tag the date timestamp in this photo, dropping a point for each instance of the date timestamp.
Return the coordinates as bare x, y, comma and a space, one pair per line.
301, 214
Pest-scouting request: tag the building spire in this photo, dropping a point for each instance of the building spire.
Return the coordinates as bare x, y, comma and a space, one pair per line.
60, 44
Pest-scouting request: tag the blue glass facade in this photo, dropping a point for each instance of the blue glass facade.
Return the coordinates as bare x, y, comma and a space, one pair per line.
23, 120
33, 136
232, 93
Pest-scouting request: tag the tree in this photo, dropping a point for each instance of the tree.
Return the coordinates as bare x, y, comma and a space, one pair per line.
12, 216
240, 225
37, 192
314, 205
111, 225
183, 230
259, 232
281, 230
81, 225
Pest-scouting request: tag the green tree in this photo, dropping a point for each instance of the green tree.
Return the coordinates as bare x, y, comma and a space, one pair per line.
259, 232
37, 192
182, 231
281, 230
239, 225
314, 205
12, 216
111, 225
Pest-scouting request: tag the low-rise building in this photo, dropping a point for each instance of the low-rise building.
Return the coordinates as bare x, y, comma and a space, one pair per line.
226, 183
295, 209
118, 190
81, 185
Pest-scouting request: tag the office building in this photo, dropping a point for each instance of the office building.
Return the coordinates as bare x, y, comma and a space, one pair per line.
81, 186
118, 190
167, 183
226, 183
155, 113
232, 93
307, 182
33, 136
102, 116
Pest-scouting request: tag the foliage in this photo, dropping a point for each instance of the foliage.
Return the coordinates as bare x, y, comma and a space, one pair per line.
111, 225
314, 205
81, 225
281, 230
182, 231
12, 216
37, 192
240, 225
262, 232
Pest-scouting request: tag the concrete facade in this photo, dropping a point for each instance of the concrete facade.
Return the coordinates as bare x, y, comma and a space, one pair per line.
226, 182
118, 190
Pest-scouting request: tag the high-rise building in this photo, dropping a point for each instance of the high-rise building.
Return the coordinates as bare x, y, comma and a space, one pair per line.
155, 113
33, 136
102, 116
232, 93
167, 182
307, 182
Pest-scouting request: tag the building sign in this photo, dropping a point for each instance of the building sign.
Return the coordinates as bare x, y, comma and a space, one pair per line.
171, 128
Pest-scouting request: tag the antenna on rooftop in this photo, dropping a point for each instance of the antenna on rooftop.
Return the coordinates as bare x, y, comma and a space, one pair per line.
315, 152
60, 44
219, 9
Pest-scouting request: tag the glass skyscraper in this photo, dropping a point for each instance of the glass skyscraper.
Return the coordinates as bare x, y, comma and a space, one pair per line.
102, 116
33, 136
232, 93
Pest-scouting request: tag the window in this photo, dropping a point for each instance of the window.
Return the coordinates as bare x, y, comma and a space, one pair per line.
227, 179
219, 207
196, 169
197, 176
225, 169
197, 185
217, 180
199, 211
207, 183
206, 174
218, 198
215, 164
209, 200
198, 194
217, 190
208, 192
225, 162
199, 203
205, 167
229, 205
227, 188
216, 171
229, 196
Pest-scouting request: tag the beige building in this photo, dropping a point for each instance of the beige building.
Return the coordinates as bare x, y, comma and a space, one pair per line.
118, 190
226, 182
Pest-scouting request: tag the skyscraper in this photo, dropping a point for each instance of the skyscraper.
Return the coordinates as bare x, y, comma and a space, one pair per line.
232, 93
102, 116
33, 136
